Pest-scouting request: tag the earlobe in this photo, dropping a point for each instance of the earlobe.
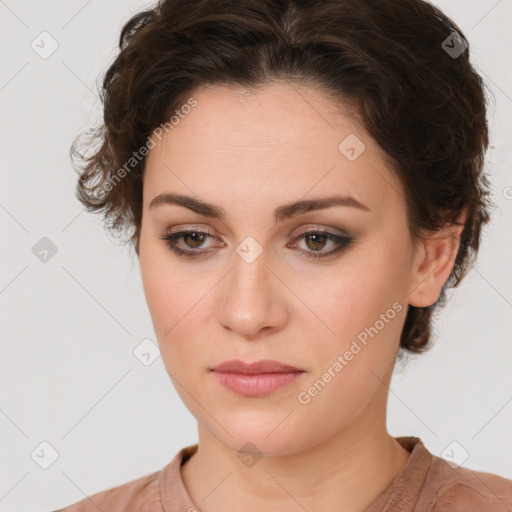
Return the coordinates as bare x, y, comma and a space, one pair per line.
432, 266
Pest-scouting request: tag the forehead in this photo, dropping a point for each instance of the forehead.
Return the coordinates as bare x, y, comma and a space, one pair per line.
277, 141
274, 116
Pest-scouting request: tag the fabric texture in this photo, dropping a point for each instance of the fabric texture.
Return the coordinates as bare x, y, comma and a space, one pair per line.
427, 483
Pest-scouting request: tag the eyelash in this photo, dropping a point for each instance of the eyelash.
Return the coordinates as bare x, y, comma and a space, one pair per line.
343, 242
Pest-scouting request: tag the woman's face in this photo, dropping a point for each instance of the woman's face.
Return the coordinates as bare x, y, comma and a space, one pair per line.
254, 290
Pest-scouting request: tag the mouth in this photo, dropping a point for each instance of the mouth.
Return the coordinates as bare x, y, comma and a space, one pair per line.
255, 368
256, 379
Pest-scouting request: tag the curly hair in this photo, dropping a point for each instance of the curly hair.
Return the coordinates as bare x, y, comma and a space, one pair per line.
402, 64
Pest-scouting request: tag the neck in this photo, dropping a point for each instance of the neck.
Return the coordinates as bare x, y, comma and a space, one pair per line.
346, 471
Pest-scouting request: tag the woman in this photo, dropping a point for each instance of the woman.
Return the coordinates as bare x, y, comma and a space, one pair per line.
303, 181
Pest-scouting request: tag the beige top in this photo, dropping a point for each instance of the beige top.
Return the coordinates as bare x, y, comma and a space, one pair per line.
425, 484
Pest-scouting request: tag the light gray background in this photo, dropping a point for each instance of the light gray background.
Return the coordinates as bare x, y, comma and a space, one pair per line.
69, 326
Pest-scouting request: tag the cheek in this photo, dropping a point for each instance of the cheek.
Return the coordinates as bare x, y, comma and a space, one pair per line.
157, 289
362, 304
164, 291
169, 303
177, 310
350, 363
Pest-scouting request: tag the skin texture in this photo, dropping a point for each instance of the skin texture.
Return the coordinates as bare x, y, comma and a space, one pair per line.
248, 152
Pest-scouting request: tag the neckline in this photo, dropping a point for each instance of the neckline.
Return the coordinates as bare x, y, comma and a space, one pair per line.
401, 494
403, 491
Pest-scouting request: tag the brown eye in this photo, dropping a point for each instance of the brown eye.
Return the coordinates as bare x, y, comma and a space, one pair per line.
197, 238
193, 239
316, 240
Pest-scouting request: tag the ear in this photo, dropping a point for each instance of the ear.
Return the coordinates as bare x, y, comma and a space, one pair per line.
433, 263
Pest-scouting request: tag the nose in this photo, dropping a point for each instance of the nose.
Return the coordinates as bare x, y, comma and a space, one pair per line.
252, 299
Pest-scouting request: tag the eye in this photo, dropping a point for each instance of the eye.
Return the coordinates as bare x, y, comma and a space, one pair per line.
193, 240
314, 240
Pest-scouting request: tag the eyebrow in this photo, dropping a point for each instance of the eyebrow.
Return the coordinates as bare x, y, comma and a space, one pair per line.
285, 211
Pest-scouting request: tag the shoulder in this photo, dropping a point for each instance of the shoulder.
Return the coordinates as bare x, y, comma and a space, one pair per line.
462, 489
127, 497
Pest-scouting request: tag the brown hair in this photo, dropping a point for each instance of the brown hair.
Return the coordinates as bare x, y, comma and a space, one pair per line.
402, 64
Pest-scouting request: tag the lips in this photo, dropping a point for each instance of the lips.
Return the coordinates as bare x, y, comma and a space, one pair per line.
255, 368
258, 379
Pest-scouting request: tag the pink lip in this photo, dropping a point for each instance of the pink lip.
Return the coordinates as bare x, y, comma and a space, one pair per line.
255, 379
263, 366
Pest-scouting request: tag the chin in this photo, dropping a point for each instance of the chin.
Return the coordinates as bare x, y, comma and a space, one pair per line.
260, 438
